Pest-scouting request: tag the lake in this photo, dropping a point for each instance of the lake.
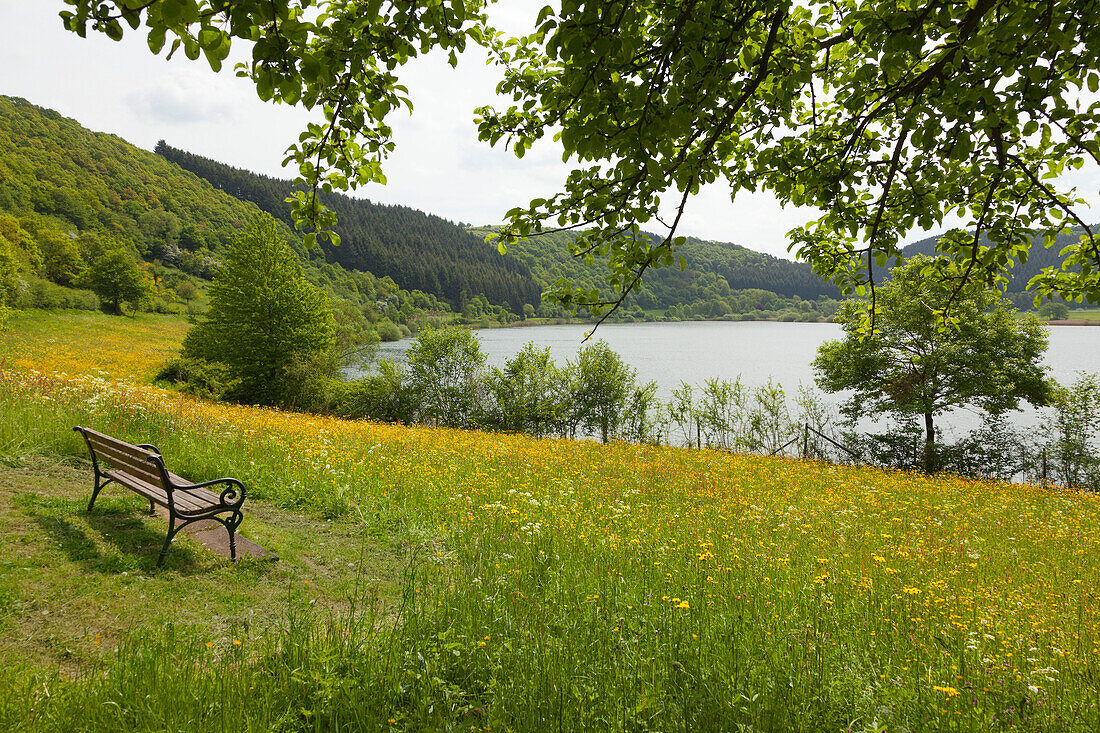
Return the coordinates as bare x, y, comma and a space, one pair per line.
694, 351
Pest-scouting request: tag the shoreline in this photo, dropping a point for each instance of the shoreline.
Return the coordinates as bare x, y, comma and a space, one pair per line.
578, 322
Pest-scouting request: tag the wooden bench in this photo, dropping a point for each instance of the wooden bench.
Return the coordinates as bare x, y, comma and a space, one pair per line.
140, 468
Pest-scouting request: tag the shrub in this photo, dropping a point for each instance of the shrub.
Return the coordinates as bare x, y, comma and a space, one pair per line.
162, 305
382, 396
388, 330
43, 294
198, 377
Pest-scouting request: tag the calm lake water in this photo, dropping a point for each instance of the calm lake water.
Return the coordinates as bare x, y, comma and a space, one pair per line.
669, 353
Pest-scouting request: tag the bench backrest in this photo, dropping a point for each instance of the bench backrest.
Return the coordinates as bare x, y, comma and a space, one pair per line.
112, 453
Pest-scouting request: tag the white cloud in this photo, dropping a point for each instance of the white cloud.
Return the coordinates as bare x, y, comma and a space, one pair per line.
177, 106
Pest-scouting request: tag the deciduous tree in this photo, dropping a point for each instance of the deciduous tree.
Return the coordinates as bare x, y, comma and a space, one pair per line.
911, 366
1054, 311
444, 370
9, 273
526, 393
601, 383
116, 278
265, 319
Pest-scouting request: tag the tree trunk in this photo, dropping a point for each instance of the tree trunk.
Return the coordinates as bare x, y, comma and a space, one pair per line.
929, 444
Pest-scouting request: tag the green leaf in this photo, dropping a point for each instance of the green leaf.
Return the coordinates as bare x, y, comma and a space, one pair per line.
156, 39
113, 30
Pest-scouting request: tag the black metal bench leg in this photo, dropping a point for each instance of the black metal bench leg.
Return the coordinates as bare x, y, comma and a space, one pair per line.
231, 524
95, 491
168, 539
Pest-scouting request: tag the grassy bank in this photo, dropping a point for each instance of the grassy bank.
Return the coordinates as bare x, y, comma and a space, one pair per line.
558, 584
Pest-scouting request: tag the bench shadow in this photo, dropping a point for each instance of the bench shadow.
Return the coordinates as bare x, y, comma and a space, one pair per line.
133, 546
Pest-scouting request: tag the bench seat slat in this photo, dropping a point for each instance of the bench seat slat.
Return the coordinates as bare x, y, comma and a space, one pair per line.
206, 494
188, 501
150, 492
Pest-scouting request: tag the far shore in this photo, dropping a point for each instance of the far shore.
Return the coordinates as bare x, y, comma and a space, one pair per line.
532, 323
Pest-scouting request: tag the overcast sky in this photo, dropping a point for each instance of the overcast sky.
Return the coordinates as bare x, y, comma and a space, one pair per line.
439, 166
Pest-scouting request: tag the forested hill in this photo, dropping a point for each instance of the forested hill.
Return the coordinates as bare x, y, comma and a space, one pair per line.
1039, 258
51, 166
713, 269
419, 251
68, 195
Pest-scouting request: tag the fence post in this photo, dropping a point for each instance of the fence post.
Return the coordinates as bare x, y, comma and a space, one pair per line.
698, 435
806, 442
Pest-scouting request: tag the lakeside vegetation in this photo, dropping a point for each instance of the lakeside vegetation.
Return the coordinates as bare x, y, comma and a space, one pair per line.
557, 583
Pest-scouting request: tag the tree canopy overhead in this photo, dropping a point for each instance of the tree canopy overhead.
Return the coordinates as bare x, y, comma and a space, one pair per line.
886, 115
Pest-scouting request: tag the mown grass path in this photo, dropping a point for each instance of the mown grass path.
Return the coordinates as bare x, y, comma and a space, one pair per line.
73, 584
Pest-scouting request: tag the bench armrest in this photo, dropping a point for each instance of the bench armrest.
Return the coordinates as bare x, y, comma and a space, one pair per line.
149, 447
233, 495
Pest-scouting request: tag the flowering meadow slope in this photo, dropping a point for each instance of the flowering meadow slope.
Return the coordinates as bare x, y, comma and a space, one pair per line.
575, 585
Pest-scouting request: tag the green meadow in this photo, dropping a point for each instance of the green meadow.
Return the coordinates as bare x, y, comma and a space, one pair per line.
434, 579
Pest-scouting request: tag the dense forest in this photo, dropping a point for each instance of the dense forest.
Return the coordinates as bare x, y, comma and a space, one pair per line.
434, 255
720, 280
419, 251
71, 196
1039, 257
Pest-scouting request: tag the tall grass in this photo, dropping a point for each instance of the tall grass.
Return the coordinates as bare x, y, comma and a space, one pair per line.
568, 585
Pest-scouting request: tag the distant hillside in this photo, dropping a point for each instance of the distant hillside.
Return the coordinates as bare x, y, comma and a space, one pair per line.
713, 269
65, 188
1039, 258
52, 166
419, 251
